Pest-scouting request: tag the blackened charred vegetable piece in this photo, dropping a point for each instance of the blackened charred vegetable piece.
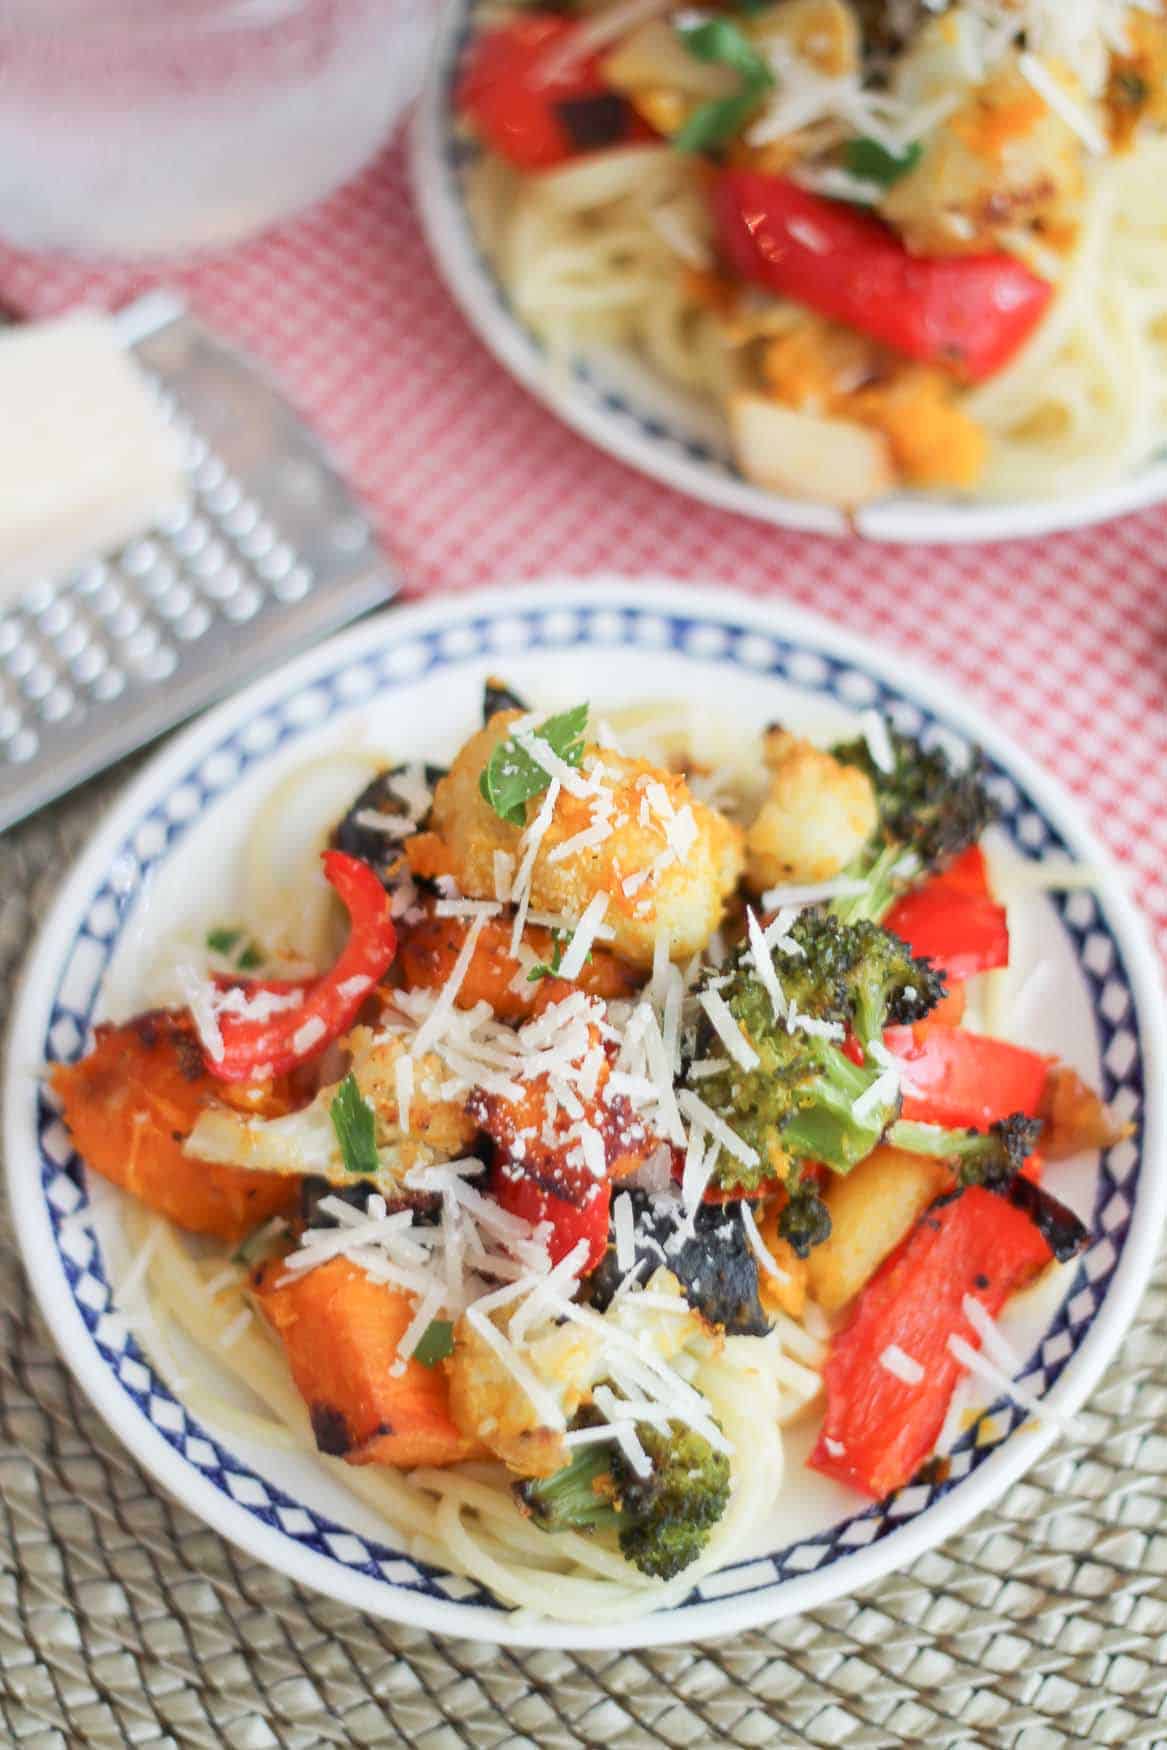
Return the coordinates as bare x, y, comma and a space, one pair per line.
1058, 1226
312, 1192
497, 696
717, 1270
378, 849
889, 25
604, 118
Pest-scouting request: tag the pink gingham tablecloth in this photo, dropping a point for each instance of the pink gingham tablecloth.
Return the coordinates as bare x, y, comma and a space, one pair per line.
470, 481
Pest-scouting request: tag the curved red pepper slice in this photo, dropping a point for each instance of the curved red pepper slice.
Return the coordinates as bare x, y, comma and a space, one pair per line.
954, 920
967, 313
254, 1050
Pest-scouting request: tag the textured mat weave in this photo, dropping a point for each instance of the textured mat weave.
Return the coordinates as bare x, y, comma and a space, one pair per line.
125, 1621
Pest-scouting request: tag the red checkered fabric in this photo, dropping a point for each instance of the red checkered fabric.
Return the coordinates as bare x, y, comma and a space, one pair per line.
1064, 640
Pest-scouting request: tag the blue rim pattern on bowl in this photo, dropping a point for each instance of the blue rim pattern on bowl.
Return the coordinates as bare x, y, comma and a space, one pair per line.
304, 710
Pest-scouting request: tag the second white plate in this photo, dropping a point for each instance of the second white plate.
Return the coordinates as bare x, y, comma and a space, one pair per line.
625, 408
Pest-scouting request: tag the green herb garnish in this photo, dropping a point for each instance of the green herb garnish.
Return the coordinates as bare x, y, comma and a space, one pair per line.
713, 124
871, 162
352, 1119
226, 942
559, 941
511, 776
543, 970
436, 1344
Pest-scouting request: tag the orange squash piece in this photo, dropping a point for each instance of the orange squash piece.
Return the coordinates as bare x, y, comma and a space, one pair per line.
129, 1107
428, 949
340, 1332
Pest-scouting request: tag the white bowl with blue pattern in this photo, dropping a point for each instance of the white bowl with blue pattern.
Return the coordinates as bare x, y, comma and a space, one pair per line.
628, 409
409, 683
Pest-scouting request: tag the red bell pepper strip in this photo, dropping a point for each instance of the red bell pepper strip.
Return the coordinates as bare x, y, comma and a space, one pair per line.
967, 874
965, 1080
967, 313
954, 920
878, 1428
534, 118
255, 1049
576, 1206
960, 933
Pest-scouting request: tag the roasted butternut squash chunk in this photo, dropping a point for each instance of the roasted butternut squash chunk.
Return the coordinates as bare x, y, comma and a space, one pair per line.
129, 1107
340, 1332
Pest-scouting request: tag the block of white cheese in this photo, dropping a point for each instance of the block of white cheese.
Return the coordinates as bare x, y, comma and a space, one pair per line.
87, 459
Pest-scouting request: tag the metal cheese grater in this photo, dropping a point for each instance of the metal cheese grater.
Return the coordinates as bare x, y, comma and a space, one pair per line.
270, 554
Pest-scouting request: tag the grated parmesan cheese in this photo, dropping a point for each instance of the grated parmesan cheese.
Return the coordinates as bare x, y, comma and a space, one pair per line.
813, 893
882, 1092
1055, 95
759, 1247
310, 1034
624, 1232
729, 1030
764, 966
585, 934
896, 1361
432, 1026
716, 1127
467, 908
979, 1364
875, 734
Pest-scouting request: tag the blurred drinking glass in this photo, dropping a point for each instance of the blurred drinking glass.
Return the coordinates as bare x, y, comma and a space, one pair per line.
133, 127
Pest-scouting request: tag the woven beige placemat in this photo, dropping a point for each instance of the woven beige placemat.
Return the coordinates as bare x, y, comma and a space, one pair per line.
124, 1621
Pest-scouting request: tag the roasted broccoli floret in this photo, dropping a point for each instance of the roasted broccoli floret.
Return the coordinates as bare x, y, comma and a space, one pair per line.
806, 1098
887, 982
992, 1157
928, 814
662, 1521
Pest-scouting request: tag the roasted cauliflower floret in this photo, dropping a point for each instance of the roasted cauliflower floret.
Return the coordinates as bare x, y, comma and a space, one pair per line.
488, 1404
1004, 162
305, 1142
819, 813
667, 863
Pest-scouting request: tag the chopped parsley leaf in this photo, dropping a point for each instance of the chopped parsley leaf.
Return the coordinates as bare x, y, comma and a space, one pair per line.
353, 1122
436, 1343
543, 970
715, 123
512, 776
871, 162
227, 942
